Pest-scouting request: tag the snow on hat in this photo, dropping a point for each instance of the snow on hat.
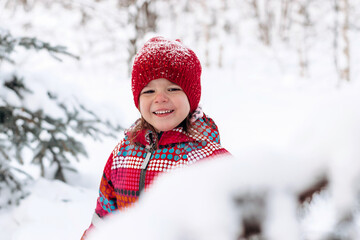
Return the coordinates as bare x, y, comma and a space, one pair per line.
172, 60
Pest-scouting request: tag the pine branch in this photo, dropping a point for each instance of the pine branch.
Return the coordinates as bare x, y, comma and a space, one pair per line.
57, 139
8, 180
17, 85
53, 140
8, 44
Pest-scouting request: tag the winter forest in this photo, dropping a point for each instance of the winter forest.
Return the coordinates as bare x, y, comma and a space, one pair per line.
280, 77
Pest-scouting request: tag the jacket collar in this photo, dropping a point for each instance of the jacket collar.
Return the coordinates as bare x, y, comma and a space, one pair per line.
176, 135
204, 129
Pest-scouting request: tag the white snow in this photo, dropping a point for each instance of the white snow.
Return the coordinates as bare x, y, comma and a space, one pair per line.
284, 131
51, 206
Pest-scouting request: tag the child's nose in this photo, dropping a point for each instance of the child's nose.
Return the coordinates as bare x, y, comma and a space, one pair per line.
161, 97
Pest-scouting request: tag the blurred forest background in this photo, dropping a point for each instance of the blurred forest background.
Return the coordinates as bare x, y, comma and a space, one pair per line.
55, 55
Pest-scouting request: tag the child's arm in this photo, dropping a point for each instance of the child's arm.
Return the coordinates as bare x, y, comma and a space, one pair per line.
106, 202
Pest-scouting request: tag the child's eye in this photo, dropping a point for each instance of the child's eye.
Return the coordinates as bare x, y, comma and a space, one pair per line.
174, 89
147, 91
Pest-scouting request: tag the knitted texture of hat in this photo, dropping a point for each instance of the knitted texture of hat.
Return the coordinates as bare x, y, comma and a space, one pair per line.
172, 60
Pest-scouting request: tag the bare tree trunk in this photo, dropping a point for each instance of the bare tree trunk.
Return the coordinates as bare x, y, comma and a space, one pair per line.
345, 71
265, 24
144, 20
207, 40
303, 60
336, 37
302, 47
285, 19
207, 34
221, 15
221, 53
341, 39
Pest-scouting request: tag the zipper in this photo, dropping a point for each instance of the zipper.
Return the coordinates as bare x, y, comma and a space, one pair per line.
144, 165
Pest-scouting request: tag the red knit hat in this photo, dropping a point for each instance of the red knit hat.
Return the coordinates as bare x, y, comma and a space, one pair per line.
172, 60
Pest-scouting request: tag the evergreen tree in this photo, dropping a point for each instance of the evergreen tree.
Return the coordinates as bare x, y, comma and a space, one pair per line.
51, 140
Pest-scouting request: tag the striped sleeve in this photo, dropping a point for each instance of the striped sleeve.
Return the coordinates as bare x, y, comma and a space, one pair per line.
106, 201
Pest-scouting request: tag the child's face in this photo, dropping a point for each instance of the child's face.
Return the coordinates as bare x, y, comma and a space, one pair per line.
163, 104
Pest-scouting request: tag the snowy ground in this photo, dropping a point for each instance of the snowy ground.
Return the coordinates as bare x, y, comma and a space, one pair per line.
257, 102
250, 114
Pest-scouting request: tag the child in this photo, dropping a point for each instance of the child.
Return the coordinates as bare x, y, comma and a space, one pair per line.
172, 132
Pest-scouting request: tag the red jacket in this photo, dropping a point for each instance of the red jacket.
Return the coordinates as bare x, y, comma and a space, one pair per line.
130, 168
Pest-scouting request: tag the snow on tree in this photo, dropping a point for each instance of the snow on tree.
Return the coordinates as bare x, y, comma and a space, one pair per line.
36, 135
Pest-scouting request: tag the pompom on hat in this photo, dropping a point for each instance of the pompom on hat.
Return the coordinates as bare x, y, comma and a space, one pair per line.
172, 60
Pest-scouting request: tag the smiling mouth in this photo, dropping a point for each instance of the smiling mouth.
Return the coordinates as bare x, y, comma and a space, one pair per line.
163, 112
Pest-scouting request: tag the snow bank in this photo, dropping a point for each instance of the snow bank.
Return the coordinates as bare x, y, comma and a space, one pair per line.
54, 210
332, 132
201, 202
